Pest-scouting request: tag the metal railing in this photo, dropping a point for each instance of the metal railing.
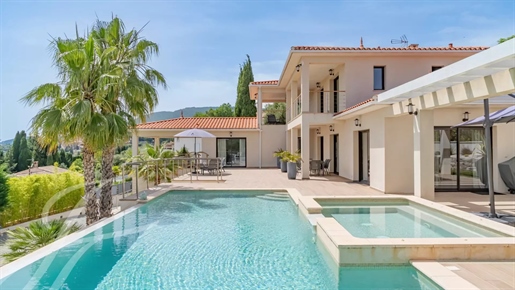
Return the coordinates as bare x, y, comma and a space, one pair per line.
324, 101
170, 169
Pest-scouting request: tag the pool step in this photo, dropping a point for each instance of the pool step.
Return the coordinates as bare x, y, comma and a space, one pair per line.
278, 194
272, 196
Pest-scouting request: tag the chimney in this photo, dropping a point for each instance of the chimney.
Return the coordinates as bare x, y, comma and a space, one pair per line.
182, 114
361, 43
450, 45
413, 45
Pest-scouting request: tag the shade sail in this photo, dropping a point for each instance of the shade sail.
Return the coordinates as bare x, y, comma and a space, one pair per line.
501, 116
195, 133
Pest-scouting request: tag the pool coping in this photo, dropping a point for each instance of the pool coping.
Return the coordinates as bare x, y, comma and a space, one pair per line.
442, 276
38, 254
346, 249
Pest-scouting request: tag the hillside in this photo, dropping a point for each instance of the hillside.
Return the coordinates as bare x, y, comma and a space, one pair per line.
188, 112
6, 142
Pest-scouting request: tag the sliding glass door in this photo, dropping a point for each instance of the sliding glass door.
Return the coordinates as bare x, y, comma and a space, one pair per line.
460, 162
234, 150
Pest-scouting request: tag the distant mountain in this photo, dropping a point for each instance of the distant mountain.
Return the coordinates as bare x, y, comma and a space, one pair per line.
7, 142
187, 112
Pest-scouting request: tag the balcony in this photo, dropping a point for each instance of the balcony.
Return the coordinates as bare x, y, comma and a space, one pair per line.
320, 102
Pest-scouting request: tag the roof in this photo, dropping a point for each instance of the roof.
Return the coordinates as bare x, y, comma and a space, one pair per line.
274, 82
498, 58
408, 48
41, 170
355, 106
203, 123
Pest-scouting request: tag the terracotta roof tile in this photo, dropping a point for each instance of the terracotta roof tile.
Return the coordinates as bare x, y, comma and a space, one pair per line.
336, 48
355, 106
203, 123
274, 82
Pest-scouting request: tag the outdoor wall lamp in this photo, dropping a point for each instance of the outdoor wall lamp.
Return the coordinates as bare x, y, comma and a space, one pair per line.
331, 128
410, 109
297, 67
465, 116
318, 131
357, 123
318, 85
331, 72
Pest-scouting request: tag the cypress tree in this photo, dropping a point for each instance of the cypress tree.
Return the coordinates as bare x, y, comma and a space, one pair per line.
245, 107
15, 151
49, 160
24, 157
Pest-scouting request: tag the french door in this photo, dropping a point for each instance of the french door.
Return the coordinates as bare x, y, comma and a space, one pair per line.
234, 150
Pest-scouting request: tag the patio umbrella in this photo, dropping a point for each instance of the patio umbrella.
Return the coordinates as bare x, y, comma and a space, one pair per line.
501, 116
195, 133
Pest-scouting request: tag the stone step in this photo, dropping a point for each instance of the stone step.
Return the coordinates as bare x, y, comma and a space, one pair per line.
267, 197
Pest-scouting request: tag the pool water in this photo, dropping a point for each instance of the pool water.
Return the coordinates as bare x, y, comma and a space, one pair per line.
402, 221
205, 240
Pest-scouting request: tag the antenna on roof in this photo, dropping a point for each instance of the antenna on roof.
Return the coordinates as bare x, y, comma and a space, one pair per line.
403, 40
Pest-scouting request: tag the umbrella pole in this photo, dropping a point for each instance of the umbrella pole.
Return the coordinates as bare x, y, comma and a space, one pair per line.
489, 162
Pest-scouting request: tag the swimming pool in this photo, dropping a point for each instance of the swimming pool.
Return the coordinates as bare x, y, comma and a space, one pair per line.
205, 240
378, 220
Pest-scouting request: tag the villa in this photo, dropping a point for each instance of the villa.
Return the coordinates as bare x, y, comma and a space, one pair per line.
350, 105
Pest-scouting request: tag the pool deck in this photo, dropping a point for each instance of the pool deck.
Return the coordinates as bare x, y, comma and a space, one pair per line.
485, 275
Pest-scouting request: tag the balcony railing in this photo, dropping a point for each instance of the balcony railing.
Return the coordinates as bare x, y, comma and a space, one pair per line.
324, 102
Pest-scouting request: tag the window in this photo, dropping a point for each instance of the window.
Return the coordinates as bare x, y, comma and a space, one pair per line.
234, 150
434, 68
335, 94
322, 101
378, 77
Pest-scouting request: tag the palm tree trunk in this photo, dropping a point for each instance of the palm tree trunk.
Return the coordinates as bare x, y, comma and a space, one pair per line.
89, 180
106, 198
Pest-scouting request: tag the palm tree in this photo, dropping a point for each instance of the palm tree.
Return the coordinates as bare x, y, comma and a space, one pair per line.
133, 92
25, 240
150, 156
71, 112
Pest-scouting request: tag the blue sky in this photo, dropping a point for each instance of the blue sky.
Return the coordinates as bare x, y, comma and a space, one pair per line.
202, 43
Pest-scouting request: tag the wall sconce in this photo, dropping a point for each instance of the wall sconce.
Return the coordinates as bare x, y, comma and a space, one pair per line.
318, 85
297, 67
331, 72
331, 128
465, 116
357, 123
410, 109
318, 131
230, 134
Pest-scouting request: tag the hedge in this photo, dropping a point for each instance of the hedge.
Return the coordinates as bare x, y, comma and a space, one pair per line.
28, 196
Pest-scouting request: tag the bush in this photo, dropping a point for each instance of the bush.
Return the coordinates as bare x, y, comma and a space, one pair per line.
28, 196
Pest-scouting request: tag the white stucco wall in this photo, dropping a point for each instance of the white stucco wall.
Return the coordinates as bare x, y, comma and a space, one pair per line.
273, 138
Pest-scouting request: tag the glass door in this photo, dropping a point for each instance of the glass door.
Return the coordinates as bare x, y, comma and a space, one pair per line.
234, 150
460, 161
364, 157
472, 166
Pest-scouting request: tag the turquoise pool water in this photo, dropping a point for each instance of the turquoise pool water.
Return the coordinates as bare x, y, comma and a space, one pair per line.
402, 221
205, 240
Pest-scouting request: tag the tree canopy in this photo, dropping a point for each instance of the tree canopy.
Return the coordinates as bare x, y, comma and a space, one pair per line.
225, 110
245, 107
505, 39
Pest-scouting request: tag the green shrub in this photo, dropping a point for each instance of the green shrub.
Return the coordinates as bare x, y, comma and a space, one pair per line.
28, 196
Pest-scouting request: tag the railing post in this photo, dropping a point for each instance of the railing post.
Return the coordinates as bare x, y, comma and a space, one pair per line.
123, 180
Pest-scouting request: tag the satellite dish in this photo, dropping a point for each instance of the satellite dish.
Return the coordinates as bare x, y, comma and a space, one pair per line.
403, 41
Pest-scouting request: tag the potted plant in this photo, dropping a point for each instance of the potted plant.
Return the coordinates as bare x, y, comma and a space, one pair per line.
293, 159
283, 156
277, 154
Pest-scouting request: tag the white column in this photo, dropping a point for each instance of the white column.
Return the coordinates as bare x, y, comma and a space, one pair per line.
304, 135
288, 107
423, 158
288, 140
157, 142
293, 140
293, 93
135, 141
260, 108
304, 86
